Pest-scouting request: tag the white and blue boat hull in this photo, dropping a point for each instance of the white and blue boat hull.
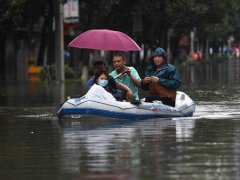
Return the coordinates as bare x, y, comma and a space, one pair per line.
75, 107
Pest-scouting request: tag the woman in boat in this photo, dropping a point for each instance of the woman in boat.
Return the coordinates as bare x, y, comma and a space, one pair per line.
102, 89
97, 66
161, 79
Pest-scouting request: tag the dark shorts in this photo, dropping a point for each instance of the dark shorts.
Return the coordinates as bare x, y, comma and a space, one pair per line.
165, 100
119, 95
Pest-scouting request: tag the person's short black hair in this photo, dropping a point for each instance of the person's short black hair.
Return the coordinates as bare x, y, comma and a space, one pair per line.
99, 63
119, 54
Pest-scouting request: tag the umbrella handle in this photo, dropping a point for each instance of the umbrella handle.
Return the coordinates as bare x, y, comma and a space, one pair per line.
120, 74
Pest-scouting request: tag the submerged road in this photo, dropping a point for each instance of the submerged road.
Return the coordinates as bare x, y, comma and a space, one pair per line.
34, 145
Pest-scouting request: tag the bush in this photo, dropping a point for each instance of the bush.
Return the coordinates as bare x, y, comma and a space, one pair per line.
69, 73
49, 73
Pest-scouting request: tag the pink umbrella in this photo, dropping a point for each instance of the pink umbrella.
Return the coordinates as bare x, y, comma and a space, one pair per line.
104, 39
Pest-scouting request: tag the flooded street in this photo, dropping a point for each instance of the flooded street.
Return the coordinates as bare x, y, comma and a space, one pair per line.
35, 145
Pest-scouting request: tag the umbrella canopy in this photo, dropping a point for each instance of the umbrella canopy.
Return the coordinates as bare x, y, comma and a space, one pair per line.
104, 39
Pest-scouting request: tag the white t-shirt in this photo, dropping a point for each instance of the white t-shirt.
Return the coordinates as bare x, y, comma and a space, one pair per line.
99, 92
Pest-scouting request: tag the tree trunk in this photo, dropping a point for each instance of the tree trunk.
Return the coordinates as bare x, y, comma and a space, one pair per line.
59, 48
10, 58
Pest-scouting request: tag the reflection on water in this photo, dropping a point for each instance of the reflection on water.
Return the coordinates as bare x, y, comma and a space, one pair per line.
222, 73
35, 145
120, 147
36, 94
152, 148
184, 129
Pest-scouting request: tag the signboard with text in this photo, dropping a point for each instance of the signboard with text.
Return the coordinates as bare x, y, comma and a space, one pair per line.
71, 11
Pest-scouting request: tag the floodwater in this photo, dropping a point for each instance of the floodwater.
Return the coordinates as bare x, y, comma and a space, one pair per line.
35, 145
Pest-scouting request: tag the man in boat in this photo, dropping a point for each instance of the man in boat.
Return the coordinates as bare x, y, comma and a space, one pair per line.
161, 79
98, 66
114, 87
131, 78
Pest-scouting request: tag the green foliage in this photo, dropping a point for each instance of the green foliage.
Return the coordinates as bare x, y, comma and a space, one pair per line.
21, 14
212, 20
62, 1
9, 11
50, 71
69, 73
158, 16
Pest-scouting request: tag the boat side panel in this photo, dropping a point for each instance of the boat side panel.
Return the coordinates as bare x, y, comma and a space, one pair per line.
125, 115
124, 110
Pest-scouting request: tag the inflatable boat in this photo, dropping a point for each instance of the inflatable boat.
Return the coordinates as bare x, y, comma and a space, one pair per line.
75, 107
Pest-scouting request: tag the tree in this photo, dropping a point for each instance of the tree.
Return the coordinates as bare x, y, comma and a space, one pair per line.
213, 20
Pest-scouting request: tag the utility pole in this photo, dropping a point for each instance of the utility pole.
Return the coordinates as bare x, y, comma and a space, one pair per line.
59, 40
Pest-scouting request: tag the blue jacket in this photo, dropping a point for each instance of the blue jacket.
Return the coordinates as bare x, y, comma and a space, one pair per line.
168, 75
90, 83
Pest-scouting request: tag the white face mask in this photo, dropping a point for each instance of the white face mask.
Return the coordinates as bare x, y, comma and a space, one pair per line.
103, 82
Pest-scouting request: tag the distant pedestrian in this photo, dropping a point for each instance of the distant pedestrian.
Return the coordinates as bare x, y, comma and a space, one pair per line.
67, 57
